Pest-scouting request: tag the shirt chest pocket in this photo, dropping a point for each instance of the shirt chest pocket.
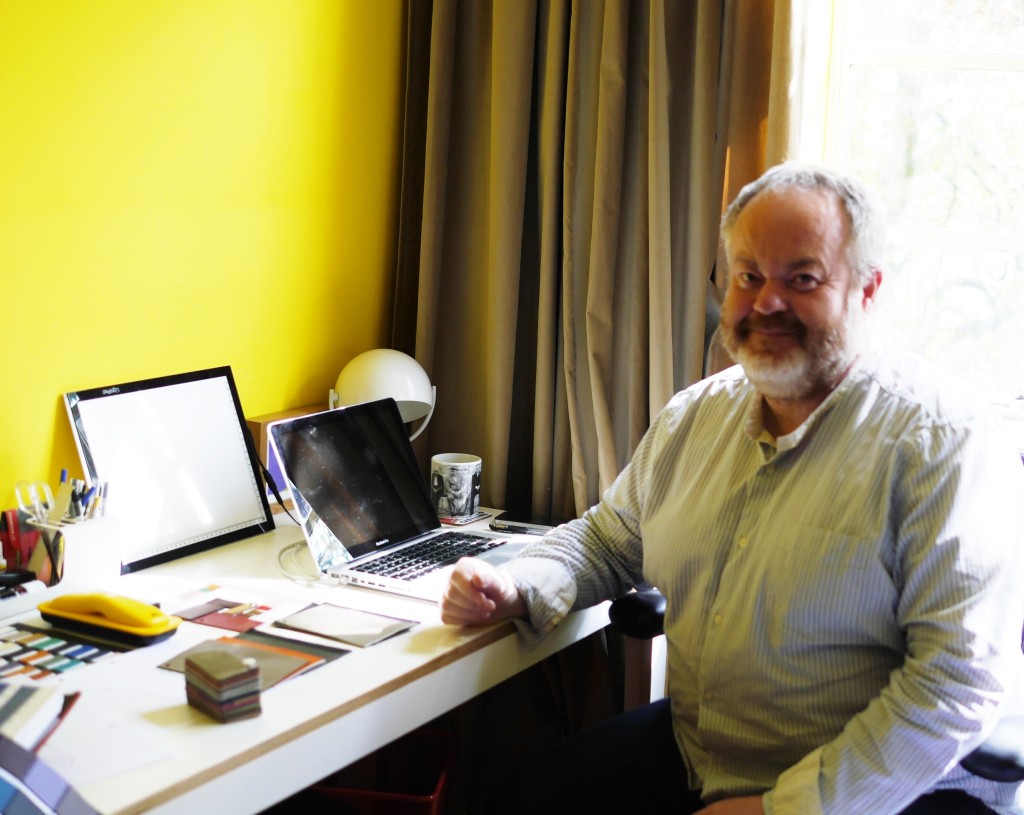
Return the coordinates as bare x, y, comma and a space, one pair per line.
829, 588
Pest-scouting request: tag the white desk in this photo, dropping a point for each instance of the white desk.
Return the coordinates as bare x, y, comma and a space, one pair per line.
162, 756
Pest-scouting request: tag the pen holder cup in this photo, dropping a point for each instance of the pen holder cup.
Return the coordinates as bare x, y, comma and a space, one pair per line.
91, 562
92, 554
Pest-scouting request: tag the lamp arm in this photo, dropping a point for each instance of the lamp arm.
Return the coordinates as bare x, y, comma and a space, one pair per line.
426, 420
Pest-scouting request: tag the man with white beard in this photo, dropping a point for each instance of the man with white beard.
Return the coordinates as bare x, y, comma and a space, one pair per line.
836, 530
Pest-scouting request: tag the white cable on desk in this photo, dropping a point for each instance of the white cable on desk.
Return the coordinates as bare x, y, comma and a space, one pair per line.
303, 577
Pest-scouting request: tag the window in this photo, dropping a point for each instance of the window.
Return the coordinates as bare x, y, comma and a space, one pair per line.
926, 104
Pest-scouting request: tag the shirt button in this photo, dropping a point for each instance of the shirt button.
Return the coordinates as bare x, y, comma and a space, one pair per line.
742, 542
717, 619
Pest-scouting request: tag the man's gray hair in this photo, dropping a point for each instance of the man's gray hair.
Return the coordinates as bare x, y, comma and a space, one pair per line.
866, 245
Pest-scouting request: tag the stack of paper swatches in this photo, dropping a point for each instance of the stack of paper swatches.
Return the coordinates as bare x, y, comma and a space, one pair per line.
223, 685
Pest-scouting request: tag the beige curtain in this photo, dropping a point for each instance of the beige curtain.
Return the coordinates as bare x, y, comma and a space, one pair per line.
565, 166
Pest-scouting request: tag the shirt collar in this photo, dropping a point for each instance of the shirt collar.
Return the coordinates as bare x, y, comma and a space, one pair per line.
771, 446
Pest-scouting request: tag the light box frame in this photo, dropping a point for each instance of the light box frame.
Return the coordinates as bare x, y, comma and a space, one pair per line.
183, 471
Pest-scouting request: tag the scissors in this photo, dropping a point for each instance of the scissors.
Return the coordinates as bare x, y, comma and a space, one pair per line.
34, 498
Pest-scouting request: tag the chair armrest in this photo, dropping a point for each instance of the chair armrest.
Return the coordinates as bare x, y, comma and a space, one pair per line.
1001, 757
639, 614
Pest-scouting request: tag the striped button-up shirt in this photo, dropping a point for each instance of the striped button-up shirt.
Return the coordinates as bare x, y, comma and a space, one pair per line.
844, 603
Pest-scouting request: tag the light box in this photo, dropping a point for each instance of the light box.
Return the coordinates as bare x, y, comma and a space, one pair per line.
180, 465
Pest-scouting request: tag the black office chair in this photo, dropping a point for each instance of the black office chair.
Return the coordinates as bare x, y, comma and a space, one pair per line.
641, 615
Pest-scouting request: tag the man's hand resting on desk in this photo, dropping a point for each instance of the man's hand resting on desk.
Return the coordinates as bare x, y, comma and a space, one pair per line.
478, 593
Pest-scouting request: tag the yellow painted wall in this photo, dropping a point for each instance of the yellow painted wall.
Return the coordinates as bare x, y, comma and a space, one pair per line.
186, 184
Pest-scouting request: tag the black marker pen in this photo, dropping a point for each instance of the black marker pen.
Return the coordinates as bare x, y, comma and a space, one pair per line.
514, 529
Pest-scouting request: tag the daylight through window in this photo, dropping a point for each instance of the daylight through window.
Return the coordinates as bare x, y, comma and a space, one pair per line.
926, 104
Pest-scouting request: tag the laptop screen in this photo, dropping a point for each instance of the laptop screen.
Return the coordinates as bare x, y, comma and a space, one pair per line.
354, 479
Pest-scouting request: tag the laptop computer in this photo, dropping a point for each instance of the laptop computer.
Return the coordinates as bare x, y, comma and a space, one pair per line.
364, 506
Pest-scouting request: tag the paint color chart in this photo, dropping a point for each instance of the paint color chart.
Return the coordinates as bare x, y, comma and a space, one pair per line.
29, 786
29, 654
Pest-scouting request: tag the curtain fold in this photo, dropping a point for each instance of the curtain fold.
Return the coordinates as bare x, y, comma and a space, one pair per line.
565, 166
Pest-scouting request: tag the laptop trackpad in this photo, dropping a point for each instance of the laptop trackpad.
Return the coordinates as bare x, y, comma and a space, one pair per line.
505, 552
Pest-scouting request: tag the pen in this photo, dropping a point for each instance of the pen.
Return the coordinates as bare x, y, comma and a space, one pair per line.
14, 577
62, 504
14, 534
513, 529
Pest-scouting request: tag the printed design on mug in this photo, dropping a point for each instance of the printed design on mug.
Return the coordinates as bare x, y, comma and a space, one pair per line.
455, 485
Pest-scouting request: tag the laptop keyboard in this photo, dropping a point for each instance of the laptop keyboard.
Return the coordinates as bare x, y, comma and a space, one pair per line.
441, 550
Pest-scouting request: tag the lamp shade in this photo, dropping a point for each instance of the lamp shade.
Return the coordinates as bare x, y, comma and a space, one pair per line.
381, 373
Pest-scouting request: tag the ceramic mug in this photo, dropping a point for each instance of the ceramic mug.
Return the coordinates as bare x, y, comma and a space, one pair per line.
455, 484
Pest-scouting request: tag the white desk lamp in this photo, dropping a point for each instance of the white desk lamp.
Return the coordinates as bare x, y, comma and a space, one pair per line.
381, 373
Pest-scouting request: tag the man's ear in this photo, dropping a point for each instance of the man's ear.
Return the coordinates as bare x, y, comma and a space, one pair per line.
870, 288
